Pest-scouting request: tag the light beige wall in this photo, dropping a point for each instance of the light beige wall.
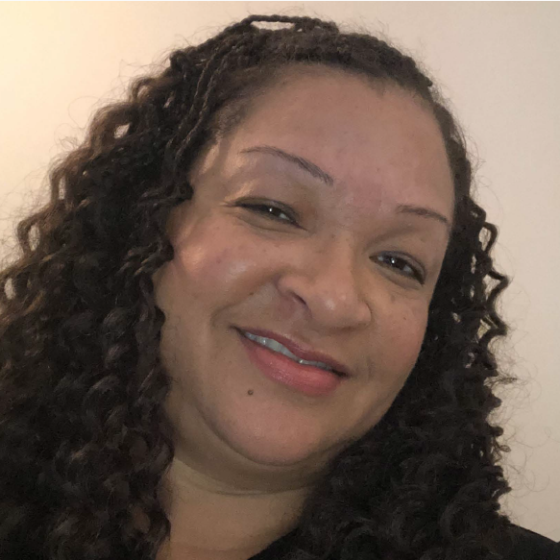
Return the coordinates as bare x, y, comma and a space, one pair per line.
497, 62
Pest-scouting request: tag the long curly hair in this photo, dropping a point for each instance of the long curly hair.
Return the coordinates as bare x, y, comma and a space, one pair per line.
84, 439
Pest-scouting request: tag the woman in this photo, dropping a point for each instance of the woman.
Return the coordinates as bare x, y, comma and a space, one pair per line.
254, 320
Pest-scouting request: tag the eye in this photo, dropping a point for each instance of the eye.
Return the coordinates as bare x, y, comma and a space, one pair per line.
272, 211
402, 266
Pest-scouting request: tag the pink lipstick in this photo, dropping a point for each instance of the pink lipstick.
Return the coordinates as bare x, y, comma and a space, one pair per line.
310, 380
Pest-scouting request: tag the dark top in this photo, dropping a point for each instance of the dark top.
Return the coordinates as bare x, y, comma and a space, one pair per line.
525, 545
529, 545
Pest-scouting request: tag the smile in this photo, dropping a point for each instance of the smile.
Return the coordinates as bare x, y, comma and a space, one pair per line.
311, 380
277, 347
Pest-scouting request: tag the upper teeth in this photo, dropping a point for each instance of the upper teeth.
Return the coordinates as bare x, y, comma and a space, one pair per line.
277, 347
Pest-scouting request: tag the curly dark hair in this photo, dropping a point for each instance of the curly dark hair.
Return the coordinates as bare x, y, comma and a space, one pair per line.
84, 438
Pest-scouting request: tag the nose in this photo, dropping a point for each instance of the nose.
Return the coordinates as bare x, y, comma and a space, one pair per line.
326, 281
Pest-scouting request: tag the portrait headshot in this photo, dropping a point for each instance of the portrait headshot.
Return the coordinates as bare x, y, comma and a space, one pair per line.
279, 281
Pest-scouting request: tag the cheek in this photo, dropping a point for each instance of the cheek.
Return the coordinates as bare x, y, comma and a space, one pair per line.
208, 268
396, 342
405, 336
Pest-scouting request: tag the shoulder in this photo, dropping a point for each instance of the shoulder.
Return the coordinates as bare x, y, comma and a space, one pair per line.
10, 551
525, 544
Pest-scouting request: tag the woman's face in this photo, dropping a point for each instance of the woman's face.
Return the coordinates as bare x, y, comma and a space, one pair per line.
347, 268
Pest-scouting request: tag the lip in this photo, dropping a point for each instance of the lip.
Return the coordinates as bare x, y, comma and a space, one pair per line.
308, 380
299, 350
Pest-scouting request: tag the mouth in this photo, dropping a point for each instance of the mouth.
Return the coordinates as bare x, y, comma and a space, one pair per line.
306, 379
294, 350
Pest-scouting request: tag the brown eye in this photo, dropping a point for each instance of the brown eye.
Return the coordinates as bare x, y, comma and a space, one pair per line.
402, 266
272, 211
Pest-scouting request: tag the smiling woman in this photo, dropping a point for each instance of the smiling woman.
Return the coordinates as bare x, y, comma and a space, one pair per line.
256, 321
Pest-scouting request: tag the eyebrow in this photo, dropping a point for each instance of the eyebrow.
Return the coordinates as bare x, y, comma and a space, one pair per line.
303, 163
318, 173
423, 213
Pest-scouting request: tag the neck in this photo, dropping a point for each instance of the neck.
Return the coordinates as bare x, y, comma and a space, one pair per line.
213, 520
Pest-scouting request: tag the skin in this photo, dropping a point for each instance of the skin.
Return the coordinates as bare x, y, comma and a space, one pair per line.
248, 449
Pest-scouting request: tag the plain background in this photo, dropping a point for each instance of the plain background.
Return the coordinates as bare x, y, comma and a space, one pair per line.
497, 63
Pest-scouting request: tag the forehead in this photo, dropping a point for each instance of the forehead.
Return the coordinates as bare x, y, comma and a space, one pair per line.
373, 137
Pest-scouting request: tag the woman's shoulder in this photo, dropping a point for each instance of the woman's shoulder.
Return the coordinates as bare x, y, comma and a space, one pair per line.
12, 551
516, 543
522, 544
525, 544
